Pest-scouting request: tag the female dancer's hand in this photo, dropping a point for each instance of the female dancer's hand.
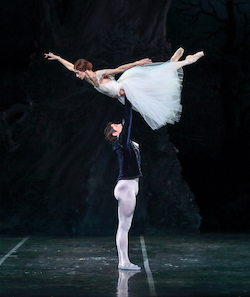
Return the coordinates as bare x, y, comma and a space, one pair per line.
67, 64
142, 62
50, 56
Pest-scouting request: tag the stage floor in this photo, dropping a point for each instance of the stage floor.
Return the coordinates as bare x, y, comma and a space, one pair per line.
191, 265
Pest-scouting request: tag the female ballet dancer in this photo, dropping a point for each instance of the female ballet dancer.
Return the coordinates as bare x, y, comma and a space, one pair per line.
127, 187
154, 91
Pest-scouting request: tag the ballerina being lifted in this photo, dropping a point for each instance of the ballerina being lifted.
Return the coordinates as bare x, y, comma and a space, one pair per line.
154, 89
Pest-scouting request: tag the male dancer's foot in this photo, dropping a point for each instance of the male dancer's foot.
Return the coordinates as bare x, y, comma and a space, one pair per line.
177, 55
129, 266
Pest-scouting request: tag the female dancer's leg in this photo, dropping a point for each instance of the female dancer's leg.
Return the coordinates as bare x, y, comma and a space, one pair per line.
190, 59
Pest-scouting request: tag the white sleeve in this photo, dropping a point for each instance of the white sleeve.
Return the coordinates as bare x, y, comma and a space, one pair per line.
100, 73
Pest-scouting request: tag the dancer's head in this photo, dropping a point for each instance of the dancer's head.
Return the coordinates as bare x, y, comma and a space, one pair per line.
112, 132
80, 66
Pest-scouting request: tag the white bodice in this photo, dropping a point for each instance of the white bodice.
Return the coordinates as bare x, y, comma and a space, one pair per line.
110, 88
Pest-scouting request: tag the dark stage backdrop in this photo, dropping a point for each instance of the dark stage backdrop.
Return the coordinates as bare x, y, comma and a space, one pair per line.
58, 173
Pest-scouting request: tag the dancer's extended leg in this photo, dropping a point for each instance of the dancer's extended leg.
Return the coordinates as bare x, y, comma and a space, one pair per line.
125, 192
190, 59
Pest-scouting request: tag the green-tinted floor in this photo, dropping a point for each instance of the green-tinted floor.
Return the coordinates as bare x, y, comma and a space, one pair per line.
200, 265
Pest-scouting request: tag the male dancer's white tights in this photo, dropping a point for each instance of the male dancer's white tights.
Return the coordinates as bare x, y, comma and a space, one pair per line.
125, 192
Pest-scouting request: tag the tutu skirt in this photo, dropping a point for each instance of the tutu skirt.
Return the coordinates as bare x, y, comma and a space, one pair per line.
154, 91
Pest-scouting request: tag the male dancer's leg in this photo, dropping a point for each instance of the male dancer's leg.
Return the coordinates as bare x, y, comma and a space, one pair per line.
125, 192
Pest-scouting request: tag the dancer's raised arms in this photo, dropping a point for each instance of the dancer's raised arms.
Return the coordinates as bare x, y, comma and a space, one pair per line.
120, 69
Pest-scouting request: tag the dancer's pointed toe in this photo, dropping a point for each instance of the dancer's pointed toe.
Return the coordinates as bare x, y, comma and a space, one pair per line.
193, 58
177, 55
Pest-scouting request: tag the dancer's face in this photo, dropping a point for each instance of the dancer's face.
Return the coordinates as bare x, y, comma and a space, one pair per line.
117, 128
80, 74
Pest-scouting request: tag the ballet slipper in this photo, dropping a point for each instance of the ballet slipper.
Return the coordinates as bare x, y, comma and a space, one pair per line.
129, 266
198, 54
193, 58
177, 55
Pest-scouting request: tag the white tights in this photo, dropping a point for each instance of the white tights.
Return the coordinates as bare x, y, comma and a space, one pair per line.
125, 193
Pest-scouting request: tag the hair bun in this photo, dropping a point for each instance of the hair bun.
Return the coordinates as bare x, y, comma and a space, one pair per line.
82, 65
89, 66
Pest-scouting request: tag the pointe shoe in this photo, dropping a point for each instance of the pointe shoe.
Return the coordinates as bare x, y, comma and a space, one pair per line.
198, 54
177, 55
129, 266
193, 58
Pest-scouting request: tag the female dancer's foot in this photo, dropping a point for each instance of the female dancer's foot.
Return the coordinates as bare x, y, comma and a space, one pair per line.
193, 58
129, 266
177, 55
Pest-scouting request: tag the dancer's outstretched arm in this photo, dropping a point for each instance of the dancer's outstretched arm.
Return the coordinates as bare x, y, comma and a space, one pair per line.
67, 64
125, 67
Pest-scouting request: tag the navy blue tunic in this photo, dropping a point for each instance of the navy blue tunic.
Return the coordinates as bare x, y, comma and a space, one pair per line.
128, 153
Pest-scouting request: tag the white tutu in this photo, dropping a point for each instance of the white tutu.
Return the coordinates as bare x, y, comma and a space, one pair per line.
154, 91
